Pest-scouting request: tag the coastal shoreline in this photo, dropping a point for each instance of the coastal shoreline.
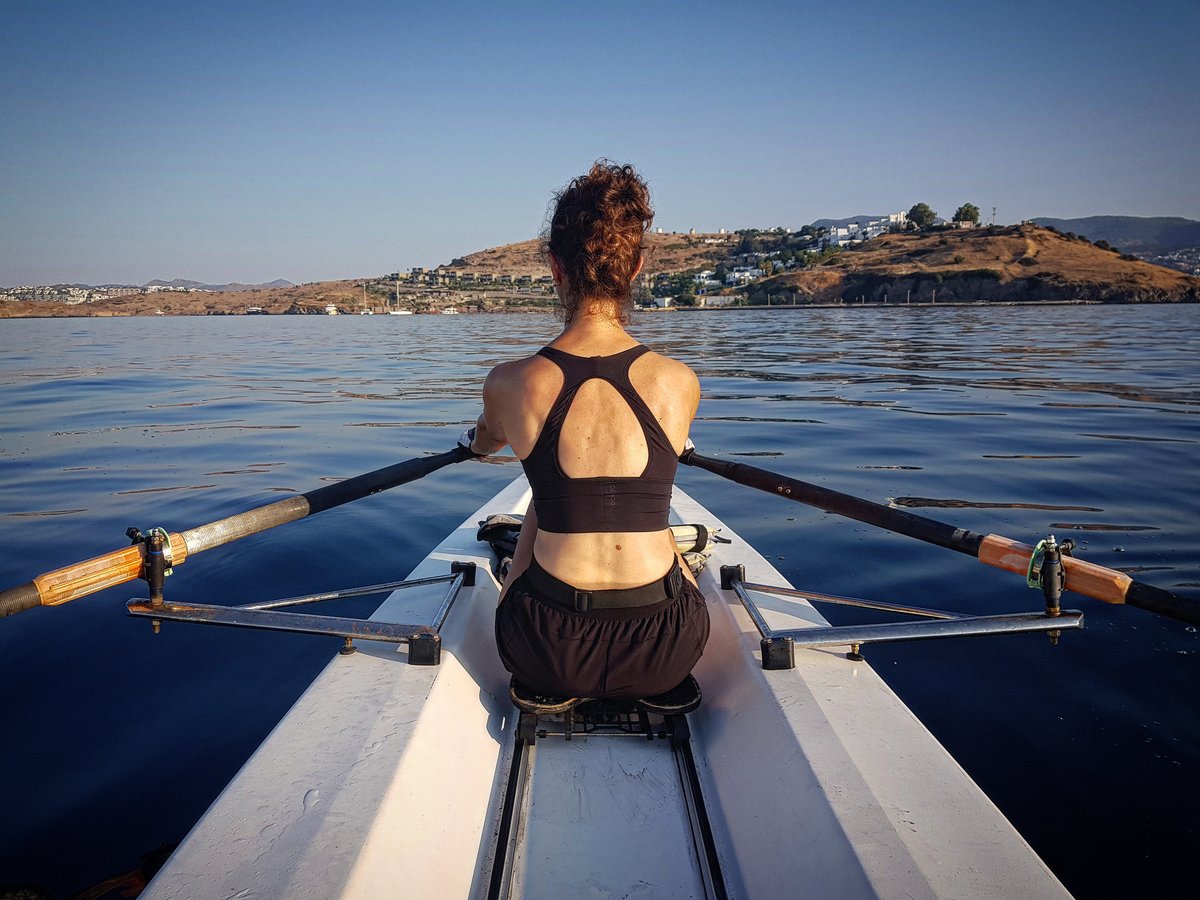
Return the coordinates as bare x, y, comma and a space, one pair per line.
789, 307
1007, 266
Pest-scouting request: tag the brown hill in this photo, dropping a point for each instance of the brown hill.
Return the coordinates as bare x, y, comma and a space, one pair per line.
1023, 263
309, 297
665, 253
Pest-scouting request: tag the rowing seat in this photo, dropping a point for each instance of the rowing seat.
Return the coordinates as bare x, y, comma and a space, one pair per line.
598, 713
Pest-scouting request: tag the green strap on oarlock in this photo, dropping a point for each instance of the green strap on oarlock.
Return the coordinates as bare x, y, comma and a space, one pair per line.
1035, 562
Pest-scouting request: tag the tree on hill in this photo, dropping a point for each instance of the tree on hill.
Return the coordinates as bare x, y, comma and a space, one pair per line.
685, 290
680, 286
751, 243
921, 215
968, 212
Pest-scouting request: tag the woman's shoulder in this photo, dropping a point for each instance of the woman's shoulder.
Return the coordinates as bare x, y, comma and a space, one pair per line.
664, 381
520, 373
669, 367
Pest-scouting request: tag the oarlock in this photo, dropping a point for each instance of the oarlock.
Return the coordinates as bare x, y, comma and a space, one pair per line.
156, 564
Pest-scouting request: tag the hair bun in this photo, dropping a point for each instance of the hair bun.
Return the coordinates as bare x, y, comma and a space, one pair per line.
596, 233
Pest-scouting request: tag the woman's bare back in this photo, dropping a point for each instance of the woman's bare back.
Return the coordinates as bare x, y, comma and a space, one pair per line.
600, 436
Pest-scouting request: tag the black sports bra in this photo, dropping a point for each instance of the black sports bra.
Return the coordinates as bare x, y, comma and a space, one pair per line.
603, 503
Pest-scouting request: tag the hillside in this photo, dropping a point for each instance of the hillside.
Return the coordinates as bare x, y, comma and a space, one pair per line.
1015, 264
1022, 263
666, 253
313, 297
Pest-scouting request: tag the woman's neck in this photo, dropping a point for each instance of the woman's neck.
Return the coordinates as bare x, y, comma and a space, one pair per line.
594, 328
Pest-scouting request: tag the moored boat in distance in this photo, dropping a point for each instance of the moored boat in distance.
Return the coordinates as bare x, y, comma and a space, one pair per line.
331, 310
400, 312
389, 777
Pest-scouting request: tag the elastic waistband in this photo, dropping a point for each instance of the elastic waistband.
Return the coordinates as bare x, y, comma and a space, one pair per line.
561, 594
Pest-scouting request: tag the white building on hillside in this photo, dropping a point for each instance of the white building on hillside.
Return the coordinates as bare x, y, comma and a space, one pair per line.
743, 275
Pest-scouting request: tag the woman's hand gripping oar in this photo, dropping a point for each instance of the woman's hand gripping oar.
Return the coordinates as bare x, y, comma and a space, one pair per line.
124, 565
1082, 577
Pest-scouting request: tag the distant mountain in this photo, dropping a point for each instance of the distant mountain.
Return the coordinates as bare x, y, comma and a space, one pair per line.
861, 220
1133, 234
842, 223
235, 286
87, 287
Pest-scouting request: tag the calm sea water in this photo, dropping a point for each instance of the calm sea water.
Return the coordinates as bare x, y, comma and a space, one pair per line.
1082, 421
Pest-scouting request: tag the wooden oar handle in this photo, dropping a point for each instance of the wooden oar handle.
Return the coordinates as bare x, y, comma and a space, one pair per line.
90, 576
1081, 577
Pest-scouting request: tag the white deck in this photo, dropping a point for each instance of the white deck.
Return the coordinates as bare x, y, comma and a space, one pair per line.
604, 792
386, 779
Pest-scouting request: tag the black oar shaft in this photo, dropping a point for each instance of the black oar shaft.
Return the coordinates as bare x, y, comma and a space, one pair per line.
906, 523
1165, 603
214, 534
124, 565
1095, 581
17, 599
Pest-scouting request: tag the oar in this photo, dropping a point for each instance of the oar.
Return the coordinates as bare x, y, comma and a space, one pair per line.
1082, 577
124, 565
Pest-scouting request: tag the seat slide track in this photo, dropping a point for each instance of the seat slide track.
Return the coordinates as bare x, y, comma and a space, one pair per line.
583, 730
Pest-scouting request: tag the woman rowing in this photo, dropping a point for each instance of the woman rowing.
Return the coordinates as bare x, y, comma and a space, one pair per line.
596, 603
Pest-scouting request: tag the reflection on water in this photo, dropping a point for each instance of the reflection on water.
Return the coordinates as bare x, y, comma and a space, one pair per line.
1030, 456
162, 490
188, 403
45, 512
400, 424
976, 504
1097, 526
1137, 437
108, 423
251, 469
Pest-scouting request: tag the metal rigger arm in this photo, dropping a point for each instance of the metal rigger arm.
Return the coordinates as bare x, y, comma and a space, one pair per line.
424, 641
778, 647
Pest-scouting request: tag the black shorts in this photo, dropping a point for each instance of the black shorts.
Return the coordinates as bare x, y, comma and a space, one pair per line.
618, 652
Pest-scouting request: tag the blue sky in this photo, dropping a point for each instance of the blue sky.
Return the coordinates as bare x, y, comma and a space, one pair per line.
251, 141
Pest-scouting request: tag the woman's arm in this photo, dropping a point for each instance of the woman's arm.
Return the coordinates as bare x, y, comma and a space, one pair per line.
486, 440
489, 430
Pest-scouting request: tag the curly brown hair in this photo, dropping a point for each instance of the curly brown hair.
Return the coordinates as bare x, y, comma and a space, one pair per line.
597, 232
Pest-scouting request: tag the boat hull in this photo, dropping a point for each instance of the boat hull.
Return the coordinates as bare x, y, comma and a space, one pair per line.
389, 779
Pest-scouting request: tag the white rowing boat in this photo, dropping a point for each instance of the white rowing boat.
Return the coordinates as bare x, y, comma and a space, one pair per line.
388, 779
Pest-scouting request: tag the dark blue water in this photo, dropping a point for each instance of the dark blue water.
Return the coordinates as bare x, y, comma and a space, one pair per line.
1078, 420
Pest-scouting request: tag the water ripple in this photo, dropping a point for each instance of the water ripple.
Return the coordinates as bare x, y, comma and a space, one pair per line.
976, 504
